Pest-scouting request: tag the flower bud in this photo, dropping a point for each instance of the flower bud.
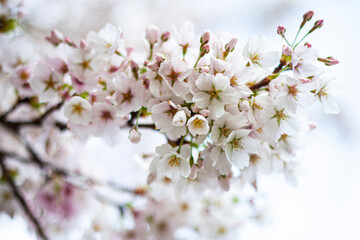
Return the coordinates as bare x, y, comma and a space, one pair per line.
129, 50
230, 46
134, 66
281, 31
329, 61
205, 38
318, 24
244, 105
152, 34
165, 36
308, 45
205, 49
82, 44
179, 119
134, 136
56, 37
204, 112
195, 109
154, 66
204, 69
200, 162
69, 42
159, 58
287, 51
306, 17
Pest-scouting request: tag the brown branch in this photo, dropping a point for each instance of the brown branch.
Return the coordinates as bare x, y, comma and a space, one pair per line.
20, 198
267, 80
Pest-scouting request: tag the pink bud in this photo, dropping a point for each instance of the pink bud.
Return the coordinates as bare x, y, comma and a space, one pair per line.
56, 37
129, 50
152, 34
159, 58
244, 105
329, 61
205, 38
205, 49
134, 136
308, 45
108, 100
82, 44
204, 112
165, 36
154, 66
229, 47
69, 42
281, 31
318, 24
287, 51
195, 109
308, 15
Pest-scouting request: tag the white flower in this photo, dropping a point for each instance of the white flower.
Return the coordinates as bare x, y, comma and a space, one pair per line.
238, 146
255, 51
223, 126
279, 122
162, 115
179, 119
173, 164
220, 161
325, 90
215, 92
45, 82
198, 125
107, 40
78, 111
302, 59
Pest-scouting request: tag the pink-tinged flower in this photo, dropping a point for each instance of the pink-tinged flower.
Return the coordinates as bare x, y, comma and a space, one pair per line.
106, 41
239, 145
20, 79
174, 72
214, 93
302, 61
185, 35
45, 82
83, 65
256, 52
78, 111
198, 125
152, 34
104, 122
129, 95
179, 119
290, 93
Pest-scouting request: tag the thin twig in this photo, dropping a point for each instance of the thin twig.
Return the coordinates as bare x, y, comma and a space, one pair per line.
20, 198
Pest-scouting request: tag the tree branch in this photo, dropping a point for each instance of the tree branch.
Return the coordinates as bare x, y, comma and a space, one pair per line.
20, 198
267, 80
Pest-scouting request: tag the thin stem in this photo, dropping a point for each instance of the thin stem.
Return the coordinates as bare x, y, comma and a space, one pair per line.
297, 34
197, 60
301, 40
181, 142
151, 52
137, 118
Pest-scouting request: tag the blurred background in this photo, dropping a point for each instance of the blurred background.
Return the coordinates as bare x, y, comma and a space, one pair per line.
326, 202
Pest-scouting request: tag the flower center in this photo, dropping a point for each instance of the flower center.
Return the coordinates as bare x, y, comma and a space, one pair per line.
236, 144
174, 161
77, 109
198, 123
214, 93
127, 96
225, 132
106, 115
256, 56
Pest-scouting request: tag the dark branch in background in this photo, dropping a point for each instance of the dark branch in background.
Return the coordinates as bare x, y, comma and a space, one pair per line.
20, 198
267, 80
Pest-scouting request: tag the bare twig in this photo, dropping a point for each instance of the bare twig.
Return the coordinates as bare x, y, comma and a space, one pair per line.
20, 198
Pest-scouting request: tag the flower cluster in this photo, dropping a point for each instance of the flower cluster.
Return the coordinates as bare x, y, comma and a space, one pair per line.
229, 114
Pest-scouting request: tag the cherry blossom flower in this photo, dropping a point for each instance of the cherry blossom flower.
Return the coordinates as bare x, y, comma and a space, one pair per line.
198, 125
78, 111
